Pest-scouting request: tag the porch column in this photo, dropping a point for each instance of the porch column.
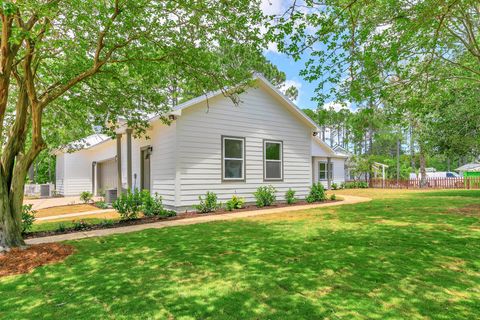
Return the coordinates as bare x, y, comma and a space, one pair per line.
119, 164
329, 173
129, 158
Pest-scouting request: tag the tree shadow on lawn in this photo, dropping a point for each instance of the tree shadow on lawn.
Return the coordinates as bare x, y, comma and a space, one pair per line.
451, 193
252, 270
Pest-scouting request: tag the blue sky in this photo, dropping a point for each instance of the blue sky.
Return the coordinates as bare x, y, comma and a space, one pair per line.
288, 65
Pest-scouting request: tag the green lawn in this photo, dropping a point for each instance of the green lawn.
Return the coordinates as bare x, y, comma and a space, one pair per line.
415, 257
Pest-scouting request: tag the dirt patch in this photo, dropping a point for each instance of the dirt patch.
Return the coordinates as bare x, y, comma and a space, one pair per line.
470, 210
55, 211
18, 261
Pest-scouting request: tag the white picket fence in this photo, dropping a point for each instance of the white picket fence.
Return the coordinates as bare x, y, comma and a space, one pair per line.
39, 190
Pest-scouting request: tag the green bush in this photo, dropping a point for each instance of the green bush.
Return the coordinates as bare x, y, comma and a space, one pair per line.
81, 225
61, 227
28, 217
151, 205
86, 196
101, 205
356, 185
234, 203
265, 196
106, 223
128, 205
210, 203
335, 186
290, 196
317, 193
333, 197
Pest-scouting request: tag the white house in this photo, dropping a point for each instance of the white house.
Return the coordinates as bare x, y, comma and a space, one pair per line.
211, 145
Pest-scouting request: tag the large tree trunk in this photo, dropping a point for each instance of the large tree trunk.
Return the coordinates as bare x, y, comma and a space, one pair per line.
423, 171
10, 218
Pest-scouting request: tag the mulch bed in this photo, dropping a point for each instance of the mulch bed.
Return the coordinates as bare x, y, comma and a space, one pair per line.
145, 220
17, 261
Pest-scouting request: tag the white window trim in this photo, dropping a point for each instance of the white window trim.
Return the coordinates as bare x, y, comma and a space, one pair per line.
237, 159
326, 171
265, 160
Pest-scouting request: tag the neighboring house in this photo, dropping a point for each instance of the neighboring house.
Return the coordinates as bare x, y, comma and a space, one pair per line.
211, 145
469, 170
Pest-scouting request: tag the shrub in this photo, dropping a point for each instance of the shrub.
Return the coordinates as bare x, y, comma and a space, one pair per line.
234, 203
101, 204
61, 227
81, 225
265, 196
317, 193
151, 205
290, 196
128, 205
356, 184
210, 203
28, 217
106, 223
333, 197
335, 186
86, 196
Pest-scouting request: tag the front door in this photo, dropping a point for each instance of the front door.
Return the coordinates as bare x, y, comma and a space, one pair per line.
145, 169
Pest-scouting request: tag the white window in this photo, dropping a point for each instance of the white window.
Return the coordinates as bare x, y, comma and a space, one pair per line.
325, 171
233, 158
273, 160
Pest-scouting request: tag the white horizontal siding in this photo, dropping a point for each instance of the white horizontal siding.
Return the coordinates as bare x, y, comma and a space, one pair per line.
258, 117
338, 175
162, 162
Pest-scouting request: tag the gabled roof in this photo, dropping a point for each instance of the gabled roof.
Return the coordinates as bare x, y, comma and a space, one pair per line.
341, 150
262, 81
84, 143
327, 148
472, 167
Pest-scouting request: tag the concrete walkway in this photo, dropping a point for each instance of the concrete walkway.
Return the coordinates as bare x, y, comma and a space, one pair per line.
189, 221
73, 215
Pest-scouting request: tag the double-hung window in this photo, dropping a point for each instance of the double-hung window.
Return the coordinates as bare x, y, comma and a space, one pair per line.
273, 160
233, 158
325, 171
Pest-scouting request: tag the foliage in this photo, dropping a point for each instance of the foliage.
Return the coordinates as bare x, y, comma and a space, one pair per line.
119, 59
209, 204
86, 196
129, 204
355, 185
81, 225
28, 217
234, 203
317, 193
151, 205
290, 196
106, 223
333, 197
265, 196
61, 227
335, 186
101, 204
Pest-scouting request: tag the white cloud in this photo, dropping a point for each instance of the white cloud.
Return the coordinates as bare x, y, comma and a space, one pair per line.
272, 7
290, 82
336, 106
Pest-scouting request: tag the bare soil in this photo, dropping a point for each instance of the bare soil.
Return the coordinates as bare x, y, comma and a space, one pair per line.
17, 261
